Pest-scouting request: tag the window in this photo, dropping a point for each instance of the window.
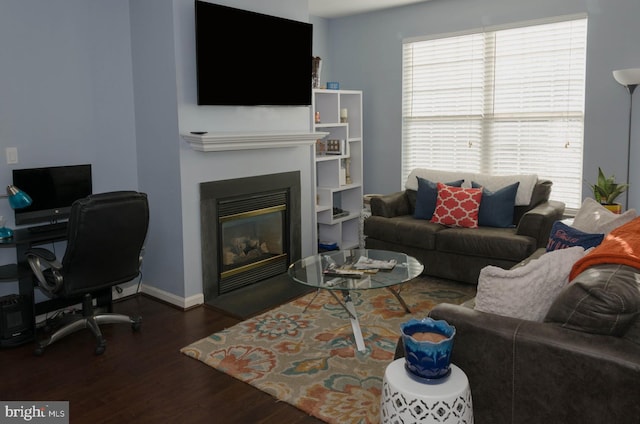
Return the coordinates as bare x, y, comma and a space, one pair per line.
504, 101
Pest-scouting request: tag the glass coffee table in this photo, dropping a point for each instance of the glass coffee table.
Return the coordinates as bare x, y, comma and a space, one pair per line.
357, 269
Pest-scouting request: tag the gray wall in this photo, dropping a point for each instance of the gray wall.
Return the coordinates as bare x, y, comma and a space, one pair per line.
156, 109
366, 54
112, 83
66, 93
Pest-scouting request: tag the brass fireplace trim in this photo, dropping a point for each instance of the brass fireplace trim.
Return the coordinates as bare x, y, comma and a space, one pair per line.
253, 213
253, 265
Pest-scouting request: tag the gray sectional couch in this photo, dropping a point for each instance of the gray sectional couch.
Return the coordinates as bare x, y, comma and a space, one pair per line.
581, 365
460, 253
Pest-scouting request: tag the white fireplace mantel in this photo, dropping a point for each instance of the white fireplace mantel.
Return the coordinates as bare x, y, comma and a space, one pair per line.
226, 141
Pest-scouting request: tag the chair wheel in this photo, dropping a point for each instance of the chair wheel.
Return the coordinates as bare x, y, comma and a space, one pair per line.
100, 348
38, 351
136, 324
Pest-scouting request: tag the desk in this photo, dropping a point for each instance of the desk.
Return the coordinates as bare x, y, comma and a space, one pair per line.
21, 241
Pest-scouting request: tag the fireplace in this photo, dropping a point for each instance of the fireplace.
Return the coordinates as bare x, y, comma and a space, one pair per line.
250, 230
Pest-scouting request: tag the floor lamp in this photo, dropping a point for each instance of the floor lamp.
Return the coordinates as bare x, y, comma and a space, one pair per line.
630, 78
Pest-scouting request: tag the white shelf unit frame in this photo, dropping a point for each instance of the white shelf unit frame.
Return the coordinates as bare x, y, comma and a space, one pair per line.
331, 191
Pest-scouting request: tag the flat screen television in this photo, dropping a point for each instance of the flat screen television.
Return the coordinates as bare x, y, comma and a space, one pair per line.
53, 189
246, 58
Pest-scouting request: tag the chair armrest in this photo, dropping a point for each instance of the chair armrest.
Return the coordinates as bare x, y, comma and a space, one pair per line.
41, 253
520, 369
390, 205
40, 261
538, 221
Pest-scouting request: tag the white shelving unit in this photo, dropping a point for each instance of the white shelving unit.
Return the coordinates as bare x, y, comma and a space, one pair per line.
333, 189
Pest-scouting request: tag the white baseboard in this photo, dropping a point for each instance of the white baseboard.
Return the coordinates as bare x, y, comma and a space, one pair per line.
131, 288
171, 298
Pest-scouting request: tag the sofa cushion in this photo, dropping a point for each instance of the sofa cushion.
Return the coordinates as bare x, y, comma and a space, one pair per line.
526, 292
427, 195
541, 193
592, 217
403, 230
412, 197
527, 183
457, 206
563, 236
603, 299
488, 242
496, 207
489, 181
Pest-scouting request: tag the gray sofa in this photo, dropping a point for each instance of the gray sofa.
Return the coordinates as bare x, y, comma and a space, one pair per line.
580, 366
460, 253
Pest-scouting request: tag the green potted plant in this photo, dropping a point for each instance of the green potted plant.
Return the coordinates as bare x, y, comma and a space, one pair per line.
606, 191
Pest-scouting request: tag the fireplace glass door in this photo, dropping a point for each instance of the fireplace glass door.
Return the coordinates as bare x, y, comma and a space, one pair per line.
251, 238
253, 242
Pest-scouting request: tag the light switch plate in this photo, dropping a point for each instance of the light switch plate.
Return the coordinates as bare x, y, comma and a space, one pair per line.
12, 155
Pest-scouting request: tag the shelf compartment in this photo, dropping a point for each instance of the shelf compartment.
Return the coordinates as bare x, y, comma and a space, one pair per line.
352, 101
328, 219
322, 208
9, 272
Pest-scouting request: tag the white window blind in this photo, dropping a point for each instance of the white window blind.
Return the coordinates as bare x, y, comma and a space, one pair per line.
502, 102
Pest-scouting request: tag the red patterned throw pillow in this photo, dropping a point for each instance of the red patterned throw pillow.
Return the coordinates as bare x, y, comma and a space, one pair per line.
457, 206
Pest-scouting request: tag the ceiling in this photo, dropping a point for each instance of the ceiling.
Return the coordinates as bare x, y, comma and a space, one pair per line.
339, 8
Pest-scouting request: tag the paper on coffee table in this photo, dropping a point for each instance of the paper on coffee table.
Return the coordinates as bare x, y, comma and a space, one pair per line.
367, 263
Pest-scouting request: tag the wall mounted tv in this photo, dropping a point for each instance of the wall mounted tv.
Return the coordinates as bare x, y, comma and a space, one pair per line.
245, 58
53, 189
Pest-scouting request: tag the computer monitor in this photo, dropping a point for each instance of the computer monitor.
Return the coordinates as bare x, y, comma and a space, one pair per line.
53, 189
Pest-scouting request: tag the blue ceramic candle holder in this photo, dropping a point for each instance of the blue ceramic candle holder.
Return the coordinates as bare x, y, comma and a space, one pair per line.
426, 359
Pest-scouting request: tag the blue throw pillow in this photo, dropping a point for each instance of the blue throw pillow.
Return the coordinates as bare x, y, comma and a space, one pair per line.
496, 207
563, 236
427, 196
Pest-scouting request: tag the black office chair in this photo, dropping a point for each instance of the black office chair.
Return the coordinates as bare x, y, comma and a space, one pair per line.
106, 234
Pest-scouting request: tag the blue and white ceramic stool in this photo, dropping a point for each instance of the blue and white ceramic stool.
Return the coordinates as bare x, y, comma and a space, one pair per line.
406, 400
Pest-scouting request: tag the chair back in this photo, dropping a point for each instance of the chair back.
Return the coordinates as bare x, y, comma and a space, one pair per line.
106, 234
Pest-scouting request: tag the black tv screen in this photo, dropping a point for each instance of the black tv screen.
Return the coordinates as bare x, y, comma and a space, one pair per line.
53, 190
245, 58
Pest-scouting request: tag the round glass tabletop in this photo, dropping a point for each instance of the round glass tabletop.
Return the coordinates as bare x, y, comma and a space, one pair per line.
357, 269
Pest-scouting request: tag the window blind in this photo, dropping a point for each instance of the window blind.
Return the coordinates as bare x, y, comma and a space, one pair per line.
502, 102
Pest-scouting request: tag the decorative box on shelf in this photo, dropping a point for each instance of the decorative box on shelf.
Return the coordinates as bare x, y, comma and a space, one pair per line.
336, 147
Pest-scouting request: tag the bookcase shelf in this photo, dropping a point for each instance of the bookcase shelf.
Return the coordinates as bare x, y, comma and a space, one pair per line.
338, 177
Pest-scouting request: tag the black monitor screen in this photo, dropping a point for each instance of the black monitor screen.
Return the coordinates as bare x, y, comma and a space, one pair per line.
53, 190
245, 58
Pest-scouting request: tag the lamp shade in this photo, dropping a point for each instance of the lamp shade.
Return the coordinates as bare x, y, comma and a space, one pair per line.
18, 199
627, 77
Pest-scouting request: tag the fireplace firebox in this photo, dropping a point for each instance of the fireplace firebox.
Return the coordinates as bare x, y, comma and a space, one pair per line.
250, 230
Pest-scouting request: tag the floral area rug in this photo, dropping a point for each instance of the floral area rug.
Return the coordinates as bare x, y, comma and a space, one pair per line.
309, 359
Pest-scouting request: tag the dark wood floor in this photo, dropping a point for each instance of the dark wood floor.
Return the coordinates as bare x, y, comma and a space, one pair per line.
142, 377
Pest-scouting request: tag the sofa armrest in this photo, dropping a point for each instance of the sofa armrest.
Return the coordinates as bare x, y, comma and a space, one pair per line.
390, 205
538, 221
520, 369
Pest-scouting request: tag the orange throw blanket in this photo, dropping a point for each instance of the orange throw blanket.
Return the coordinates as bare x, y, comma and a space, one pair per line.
620, 246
